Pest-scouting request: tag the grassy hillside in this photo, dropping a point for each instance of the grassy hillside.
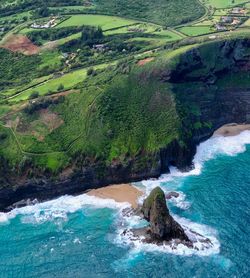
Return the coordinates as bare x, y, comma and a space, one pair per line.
114, 111
168, 13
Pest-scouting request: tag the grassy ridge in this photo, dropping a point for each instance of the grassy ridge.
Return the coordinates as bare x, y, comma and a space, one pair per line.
117, 114
159, 11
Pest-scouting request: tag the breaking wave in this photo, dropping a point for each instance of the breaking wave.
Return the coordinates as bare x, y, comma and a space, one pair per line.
60, 208
203, 238
208, 150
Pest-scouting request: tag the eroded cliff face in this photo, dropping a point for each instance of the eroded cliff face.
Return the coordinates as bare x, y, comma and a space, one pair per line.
211, 86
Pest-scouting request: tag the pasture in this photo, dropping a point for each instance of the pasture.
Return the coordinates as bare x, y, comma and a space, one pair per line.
196, 30
223, 3
105, 22
68, 80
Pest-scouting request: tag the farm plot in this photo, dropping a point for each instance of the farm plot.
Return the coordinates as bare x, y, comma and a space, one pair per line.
223, 3
21, 44
196, 30
66, 82
155, 33
105, 22
246, 23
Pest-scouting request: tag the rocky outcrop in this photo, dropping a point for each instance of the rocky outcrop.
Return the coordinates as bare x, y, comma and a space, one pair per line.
162, 224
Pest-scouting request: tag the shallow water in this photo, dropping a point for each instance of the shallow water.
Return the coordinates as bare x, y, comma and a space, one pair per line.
79, 236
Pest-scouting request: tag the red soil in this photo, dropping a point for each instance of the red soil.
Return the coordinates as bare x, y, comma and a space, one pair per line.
20, 43
145, 61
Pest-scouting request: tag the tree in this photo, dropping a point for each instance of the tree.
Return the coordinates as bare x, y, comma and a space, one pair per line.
34, 95
43, 11
60, 87
90, 71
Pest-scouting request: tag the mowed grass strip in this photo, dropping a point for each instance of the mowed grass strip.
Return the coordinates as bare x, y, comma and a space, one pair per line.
146, 28
105, 22
224, 3
68, 80
196, 30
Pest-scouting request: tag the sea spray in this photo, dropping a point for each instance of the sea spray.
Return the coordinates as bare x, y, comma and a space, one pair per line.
208, 150
60, 207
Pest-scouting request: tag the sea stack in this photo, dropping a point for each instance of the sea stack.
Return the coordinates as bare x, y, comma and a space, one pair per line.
162, 224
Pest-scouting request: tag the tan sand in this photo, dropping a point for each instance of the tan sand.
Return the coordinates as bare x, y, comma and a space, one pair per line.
231, 129
119, 193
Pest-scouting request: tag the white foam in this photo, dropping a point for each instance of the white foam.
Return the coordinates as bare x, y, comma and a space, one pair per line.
207, 150
180, 201
196, 233
210, 149
4, 217
220, 145
59, 208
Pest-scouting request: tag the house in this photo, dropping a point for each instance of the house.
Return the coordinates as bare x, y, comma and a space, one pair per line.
49, 24
236, 21
99, 47
238, 11
220, 27
35, 25
226, 19
65, 55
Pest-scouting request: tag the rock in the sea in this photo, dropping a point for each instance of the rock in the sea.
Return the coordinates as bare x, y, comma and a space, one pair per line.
162, 224
172, 194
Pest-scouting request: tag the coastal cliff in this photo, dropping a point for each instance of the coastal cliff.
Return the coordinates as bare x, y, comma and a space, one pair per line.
198, 91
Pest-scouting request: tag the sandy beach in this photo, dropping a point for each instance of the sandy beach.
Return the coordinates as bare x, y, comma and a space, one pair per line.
231, 129
119, 193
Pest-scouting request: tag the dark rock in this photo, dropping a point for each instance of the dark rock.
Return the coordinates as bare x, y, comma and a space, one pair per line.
172, 194
162, 224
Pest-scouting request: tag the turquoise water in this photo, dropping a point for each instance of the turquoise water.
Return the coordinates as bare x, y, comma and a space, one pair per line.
79, 236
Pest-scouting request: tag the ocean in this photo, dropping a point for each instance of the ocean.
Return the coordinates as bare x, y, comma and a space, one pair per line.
81, 236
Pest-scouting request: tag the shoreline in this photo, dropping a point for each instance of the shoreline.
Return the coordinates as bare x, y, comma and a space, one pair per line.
232, 129
10, 198
130, 194
118, 192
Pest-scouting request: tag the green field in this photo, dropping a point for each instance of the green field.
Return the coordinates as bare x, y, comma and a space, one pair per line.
223, 3
246, 23
16, 16
105, 22
208, 22
68, 80
196, 30
155, 32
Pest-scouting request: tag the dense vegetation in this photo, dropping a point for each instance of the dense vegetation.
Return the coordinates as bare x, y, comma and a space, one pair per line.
16, 69
39, 36
89, 37
159, 11
102, 94
118, 114
20, 5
